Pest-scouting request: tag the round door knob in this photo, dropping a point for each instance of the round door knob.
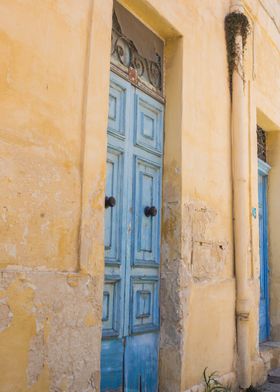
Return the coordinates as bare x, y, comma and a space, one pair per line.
150, 211
110, 201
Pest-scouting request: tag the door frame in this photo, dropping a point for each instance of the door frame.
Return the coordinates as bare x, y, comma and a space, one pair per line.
94, 126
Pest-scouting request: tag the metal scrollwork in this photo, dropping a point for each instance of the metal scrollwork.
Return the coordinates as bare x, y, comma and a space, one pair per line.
124, 53
139, 65
122, 50
261, 138
154, 72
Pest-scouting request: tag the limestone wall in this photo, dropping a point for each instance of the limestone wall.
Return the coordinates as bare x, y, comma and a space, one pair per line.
54, 73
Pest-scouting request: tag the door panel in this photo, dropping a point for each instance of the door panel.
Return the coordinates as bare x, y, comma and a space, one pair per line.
111, 306
118, 99
146, 229
130, 317
148, 123
112, 348
114, 175
144, 304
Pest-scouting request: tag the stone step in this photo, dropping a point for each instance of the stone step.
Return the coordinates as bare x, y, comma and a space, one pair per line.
274, 376
273, 382
269, 388
270, 353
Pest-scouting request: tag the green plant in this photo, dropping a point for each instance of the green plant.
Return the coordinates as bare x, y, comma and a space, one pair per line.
212, 384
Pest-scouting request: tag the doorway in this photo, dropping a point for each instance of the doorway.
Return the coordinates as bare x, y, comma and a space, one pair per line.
130, 317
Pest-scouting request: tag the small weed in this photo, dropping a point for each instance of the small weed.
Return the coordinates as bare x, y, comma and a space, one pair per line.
212, 384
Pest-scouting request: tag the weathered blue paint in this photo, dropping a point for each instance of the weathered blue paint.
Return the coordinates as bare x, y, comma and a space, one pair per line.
141, 361
129, 358
264, 327
112, 352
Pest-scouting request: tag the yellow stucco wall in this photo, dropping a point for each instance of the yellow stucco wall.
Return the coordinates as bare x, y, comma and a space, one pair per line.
54, 77
43, 50
49, 314
273, 191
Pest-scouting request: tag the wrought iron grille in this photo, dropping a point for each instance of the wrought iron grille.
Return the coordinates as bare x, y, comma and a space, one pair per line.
126, 57
261, 136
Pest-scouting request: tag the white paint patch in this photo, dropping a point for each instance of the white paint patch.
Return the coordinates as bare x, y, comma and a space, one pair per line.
25, 235
11, 250
6, 315
45, 227
4, 214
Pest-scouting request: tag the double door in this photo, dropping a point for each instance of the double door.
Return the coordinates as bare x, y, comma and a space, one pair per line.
130, 337
264, 326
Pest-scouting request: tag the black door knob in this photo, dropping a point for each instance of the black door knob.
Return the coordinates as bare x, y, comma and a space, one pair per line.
150, 211
110, 201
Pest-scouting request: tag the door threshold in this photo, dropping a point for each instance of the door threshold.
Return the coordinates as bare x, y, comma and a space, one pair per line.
271, 344
270, 354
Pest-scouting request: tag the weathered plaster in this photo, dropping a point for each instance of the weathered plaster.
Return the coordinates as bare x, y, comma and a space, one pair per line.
53, 334
40, 140
205, 257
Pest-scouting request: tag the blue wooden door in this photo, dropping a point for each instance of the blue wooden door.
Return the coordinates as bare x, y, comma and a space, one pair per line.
264, 327
129, 356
